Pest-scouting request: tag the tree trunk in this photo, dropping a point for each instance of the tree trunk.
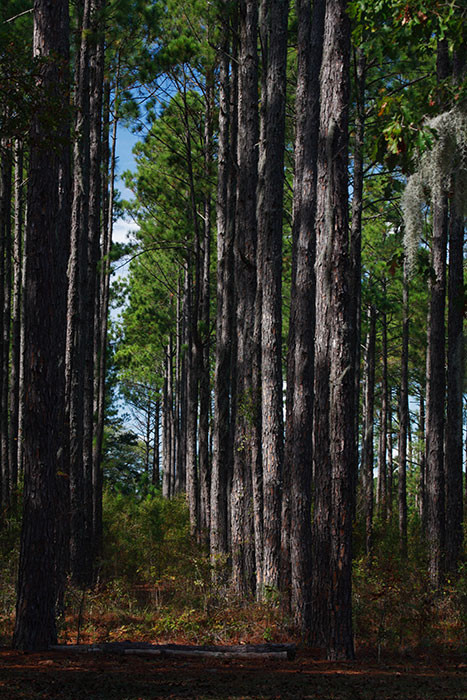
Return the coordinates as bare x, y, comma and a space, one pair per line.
334, 424
166, 438
368, 423
156, 476
245, 445
16, 321
222, 452
5, 310
205, 326
76, 329
356, 223
298, 448
45, 306
96, 88
435, 373
435, 395
269, 270
404, 418
455, 380
383, 429
109, 161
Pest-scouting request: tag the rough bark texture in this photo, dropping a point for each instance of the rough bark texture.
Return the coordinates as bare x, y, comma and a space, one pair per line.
16, 320
404, 418
368, 423
334, 433
5, 304
96, 83
435, 396
298, 452
243, 562
205, 331
222, 452
383, 427
75, 314
270, 214
357, 209
45, 309
455, 378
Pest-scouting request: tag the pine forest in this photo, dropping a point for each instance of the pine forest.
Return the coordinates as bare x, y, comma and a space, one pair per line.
245, 421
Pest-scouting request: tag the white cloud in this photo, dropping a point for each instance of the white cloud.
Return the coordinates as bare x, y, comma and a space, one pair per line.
123, 230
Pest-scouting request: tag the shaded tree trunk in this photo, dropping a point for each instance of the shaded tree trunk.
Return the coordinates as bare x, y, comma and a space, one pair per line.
246, 434
383, 429
45, 307
368, 423
298, 447
5, 304
269, 269
16, 320
222, 447
404, 418
455, 379
334, 383
435, 374
76, 329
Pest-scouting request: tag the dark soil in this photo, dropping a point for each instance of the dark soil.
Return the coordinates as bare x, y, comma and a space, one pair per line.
62, 675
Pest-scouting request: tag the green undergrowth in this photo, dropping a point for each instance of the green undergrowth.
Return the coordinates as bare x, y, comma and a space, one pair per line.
156, 583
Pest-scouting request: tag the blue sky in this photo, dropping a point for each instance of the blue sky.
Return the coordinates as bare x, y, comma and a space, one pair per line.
125, 161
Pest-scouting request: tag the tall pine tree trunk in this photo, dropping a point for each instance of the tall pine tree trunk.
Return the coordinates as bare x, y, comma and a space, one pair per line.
245, 445
5, 304
368, 425
269, 269
222, 448
75, 354
16, 320
298, 447
45, 308
334, 432
455, 380
404, 418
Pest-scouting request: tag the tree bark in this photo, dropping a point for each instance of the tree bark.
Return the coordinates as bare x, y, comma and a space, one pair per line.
269, 270
368, 424
455, 380
222, 449
16, 320
404, 418
298, 447
435, 396
383, 429
5, 304
93, 492
45, 306
334, 424
246, 434
76, 329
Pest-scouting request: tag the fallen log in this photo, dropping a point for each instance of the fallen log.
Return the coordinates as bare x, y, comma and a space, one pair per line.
210, 654
253, 651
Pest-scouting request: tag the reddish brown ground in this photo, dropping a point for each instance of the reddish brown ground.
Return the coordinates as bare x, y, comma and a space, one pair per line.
92, 676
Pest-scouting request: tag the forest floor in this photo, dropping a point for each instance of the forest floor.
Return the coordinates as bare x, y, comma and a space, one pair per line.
63, 675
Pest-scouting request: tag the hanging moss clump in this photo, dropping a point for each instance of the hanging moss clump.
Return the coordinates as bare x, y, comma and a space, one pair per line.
442, 169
